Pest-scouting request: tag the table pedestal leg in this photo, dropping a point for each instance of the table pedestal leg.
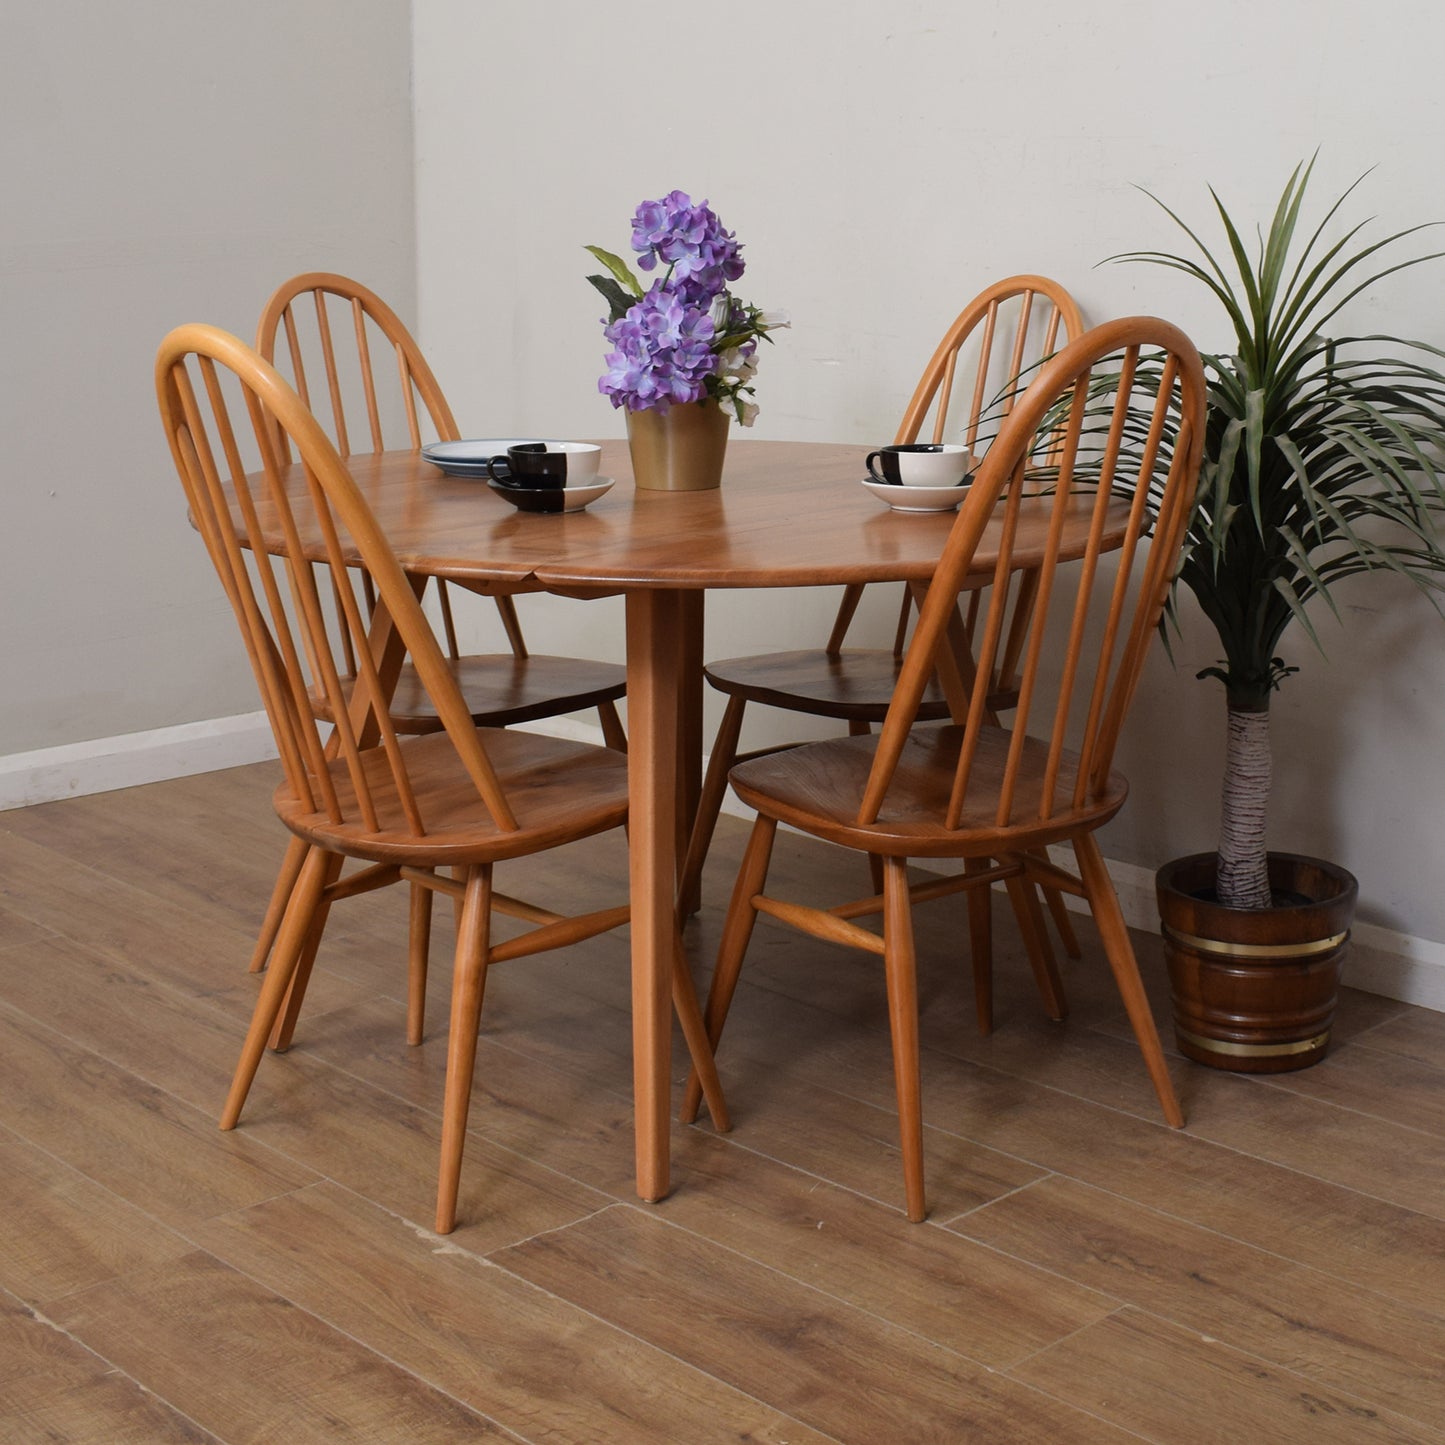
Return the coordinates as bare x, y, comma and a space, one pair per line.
689, 718
656, 623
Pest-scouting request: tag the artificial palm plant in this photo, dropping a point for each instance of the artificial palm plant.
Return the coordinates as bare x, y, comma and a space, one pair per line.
1323, 458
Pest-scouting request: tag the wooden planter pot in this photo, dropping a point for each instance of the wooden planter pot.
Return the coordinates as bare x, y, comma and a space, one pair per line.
1255, 989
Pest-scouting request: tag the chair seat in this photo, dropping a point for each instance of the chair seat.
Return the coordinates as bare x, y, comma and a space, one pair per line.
855, 685
816, 788
558, 790
505, 690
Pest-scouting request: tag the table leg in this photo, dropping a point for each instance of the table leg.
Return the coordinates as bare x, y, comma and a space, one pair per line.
656, 622
689, 726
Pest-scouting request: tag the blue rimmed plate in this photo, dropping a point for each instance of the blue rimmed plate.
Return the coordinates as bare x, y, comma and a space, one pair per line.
470, 458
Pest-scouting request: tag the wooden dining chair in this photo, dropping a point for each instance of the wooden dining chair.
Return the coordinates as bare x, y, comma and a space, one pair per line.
994, 796
352, 361
441, 809
967, 389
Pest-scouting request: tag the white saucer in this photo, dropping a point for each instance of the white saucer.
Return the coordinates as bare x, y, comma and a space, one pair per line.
917, 499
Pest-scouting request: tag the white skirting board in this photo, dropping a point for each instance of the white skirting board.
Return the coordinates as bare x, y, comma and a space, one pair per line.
1380, 960
105, 764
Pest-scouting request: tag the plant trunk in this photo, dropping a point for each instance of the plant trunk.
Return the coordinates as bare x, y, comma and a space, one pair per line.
1243, 879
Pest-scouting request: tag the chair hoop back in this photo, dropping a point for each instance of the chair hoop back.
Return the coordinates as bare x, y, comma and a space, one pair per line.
1111, 458
1006, 330
414, 376
360, 774
300, 310
1023, 319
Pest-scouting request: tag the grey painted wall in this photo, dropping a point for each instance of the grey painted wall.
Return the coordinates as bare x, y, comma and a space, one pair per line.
161, 161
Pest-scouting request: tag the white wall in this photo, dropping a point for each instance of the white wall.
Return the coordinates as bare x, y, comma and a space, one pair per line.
882, 162
161, 161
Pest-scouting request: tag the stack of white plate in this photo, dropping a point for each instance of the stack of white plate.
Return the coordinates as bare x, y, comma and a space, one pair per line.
470, 458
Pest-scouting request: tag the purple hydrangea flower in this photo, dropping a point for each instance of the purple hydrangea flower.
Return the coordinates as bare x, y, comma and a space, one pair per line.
700, 255
688, 338
662, 353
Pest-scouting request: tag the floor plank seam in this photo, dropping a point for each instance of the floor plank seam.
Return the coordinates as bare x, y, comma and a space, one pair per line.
1279, 1367
248, 1136
1105, 1420
1275, 1368
111, 1367
1198, 1139
1302, 1173
153, 1220
494, 1037
68, 865
1156, 1124
730, 1385
813, 1288
1402, 1012
1120, 1308
475, 1127
953, 1219
249, 1139
205, 1002
338, 1329
532, 1238
796, 1168
46, 935
1282, 1087
475, 1130
1192, 1224
1121, 1304
1375, 1051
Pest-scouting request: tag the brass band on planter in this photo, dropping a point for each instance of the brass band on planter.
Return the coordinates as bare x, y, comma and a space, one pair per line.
1252, 1051
1255, 950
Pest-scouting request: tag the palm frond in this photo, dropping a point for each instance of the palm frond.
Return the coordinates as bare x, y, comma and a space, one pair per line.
1324, 457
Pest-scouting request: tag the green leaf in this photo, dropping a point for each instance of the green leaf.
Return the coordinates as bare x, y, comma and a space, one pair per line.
618, 300
620, 270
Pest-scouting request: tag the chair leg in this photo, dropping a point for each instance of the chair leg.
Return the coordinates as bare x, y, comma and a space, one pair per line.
901, 969
612, 733
290, 943
857, 729
737, 930
418, 948
704, 1067
980, 944
459, 876
285, 1025
291, 863
709, 805
469, 980
1063, 924
1104, 903
1025, 899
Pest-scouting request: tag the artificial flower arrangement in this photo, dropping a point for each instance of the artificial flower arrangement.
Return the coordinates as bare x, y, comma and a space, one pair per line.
686, 338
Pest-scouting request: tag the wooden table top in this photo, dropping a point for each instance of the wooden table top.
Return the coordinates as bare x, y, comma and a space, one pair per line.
788, 514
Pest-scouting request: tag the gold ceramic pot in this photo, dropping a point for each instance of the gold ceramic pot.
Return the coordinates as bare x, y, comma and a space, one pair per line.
679, 450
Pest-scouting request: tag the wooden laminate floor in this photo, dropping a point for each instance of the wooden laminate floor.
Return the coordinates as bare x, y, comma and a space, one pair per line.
1275, 1273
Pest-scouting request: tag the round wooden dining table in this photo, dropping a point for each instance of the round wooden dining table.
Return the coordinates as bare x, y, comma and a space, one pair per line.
788, 514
